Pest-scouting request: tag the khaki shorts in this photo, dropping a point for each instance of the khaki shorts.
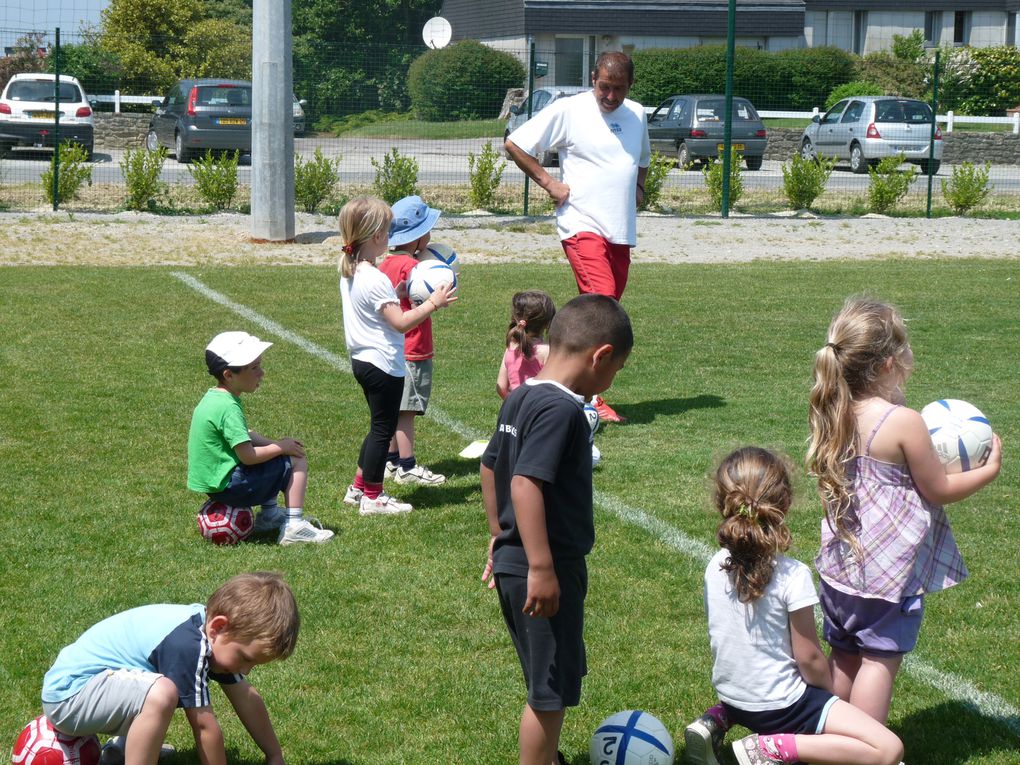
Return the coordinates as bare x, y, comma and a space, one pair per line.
108, 703
417, 386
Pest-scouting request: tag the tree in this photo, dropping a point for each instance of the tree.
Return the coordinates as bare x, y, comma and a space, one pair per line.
28, 56
97, 69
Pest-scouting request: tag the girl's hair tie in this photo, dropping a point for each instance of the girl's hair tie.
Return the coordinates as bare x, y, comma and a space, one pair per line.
521, 323
348, 248
748, 512
835, 346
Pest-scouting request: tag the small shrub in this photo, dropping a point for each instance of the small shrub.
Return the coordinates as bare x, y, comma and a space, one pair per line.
315, 180
909, 47
968, 187
888, 184
804, 179
463, 81
216, 177
486, 171
658, 169
141, 170
396, 177
713, 173
75, 171
855, 88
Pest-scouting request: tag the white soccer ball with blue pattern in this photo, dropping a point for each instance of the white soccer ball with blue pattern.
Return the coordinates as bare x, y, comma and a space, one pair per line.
426, 277
444, 253
960, 433
592, 415
631, 738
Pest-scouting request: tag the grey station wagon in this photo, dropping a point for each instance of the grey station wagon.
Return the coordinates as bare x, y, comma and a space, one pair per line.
198, 115
691, 129
865, 129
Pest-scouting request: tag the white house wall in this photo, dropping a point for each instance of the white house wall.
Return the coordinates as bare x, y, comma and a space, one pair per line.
987, 28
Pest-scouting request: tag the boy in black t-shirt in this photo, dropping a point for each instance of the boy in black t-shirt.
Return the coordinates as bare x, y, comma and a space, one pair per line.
536, 484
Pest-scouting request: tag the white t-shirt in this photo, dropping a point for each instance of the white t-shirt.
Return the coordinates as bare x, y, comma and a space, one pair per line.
599, 155
753, 666
369, 336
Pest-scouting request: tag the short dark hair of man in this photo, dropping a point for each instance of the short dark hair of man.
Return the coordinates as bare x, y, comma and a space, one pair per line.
588, 321
613, 61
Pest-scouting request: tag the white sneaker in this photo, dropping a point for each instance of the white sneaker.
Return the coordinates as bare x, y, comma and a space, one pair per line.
296, 532
269, 520
419, 474
113, 751
353, 496
391, 469
384, 504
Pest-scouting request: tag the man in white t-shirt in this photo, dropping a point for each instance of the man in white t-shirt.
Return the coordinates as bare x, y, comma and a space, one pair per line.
602, 139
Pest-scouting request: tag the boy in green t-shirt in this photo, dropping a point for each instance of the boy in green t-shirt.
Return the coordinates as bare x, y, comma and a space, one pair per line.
238, 466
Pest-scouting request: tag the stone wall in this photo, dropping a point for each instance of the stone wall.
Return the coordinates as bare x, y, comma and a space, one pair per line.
997, 148
121, 131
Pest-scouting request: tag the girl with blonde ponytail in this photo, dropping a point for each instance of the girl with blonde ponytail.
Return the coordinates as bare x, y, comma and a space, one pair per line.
769, 670
886, 541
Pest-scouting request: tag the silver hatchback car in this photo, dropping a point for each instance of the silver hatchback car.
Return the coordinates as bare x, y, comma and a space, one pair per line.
865, 129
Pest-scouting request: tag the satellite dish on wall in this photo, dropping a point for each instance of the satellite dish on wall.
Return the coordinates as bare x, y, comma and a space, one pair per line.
437, 32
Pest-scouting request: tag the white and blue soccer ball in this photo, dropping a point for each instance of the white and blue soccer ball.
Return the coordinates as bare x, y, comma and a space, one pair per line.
960, 433
592, 415
444, 253
632, 737
426, 277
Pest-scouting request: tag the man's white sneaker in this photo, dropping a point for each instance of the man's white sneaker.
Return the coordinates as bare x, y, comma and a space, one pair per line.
391, 469
353, 496
269, 520
419, 474
297, 532
384, 504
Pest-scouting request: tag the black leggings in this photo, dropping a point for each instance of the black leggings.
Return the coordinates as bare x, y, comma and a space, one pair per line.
383, 393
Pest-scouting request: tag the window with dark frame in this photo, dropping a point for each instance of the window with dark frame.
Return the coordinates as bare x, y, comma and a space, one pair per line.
961, 28
932, 27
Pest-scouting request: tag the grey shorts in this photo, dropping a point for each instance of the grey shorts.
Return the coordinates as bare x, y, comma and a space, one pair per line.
108, 703
417, 386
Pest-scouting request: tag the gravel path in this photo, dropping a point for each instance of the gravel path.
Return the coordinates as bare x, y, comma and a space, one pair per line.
44, 238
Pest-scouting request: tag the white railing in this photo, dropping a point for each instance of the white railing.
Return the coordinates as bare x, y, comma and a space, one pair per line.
949, 119
117, 99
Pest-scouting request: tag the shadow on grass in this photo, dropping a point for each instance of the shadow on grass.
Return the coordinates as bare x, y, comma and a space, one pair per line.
455, 467
234, 757
645, 412
953, 732
316, 237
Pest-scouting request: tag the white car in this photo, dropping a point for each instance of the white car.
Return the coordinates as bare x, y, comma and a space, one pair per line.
28, 112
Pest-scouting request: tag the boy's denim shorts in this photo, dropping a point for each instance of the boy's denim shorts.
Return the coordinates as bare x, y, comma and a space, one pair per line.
108, 703
551, 650
252, 485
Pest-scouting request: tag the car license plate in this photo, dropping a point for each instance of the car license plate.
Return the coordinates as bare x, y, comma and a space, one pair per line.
231, 121
735, 146
43, 115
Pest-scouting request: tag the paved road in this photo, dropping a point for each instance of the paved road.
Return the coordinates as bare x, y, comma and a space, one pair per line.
446, 162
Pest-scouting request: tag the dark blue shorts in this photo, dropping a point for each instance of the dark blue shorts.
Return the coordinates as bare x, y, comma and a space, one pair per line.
806, 715
869, 625
551, 650
252, 485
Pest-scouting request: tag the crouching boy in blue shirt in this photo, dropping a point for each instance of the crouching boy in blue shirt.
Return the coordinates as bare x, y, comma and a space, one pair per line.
127, 674
536, 485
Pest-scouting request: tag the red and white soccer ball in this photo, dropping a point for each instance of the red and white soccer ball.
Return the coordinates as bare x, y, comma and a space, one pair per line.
40, 744
225, 525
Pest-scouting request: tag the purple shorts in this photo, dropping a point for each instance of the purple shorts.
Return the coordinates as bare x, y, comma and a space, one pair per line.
869, 625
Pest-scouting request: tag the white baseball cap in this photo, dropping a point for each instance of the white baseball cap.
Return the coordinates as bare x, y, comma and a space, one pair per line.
235, 349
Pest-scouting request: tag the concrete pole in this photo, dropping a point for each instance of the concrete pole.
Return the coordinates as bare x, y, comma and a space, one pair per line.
272, 133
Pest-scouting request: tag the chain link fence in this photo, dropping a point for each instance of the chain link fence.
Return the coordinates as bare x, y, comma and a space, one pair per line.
430, 120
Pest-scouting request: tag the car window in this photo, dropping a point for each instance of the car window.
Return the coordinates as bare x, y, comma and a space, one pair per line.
177, 96
541, 99
661, 113
42, 90
710, 110
223, 95
834, 113
743, 111
677, 110
913, 112
853, 112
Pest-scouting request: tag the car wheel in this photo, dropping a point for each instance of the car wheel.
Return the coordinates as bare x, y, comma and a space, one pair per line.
88, 151
151, 141
183, 154
753, 163
683, 157
807, 150
930, 167
857, 161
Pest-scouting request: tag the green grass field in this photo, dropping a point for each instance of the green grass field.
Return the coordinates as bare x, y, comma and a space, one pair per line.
402, 656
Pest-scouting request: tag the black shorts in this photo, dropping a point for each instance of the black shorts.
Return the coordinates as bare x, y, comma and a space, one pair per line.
551, 650
806, 715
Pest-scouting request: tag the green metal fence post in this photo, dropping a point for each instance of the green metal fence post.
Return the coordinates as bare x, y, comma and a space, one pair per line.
531, 91
728, 125
934, 118
56, 119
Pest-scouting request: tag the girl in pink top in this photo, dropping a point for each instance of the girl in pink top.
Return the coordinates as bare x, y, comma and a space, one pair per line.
531, 313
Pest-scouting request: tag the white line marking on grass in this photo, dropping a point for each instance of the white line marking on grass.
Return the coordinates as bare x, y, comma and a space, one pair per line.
952, 686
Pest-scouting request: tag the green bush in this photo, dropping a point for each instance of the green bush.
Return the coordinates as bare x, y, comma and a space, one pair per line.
396, 177
790, 79
141, 170
909, 47
894, 76
889, 184
968, 187
315, 180
486, 172
713, 173
75, 171
804, 179
464, 81
855, 88
981, 81
658, 169
216, 177
329, 123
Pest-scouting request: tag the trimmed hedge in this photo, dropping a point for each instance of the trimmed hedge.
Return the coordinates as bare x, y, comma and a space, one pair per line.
791, 79
464, 81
